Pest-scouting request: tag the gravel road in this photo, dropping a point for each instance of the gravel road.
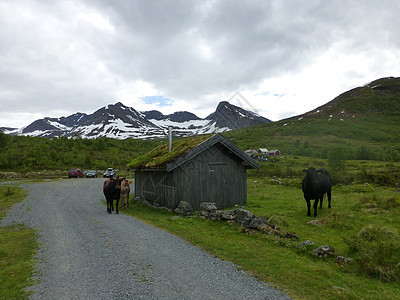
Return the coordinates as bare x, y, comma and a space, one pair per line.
86, 253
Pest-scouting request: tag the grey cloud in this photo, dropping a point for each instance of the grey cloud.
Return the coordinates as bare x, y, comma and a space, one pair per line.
51, 56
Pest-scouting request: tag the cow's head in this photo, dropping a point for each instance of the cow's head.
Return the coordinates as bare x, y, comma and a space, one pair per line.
125, 185
117, 184
311, 172
309, 181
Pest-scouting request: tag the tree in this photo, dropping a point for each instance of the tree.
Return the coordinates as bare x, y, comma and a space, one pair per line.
336, 159
3, 140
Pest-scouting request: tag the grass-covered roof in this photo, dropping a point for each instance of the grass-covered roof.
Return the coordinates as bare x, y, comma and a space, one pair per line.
160, 157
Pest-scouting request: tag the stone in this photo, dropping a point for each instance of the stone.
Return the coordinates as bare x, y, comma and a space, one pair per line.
324, 251
208, 206
204, 213
315, 222
215, 215
291, 235
341, 260
184, 208
244, 217
304, 245
228, 214
257, 222
270, 229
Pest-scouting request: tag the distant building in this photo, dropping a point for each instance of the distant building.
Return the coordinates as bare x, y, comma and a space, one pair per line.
200, 169
275, 152
263, 151
251, 152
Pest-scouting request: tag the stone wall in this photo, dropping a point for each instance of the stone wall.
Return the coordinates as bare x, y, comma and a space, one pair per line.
251, 224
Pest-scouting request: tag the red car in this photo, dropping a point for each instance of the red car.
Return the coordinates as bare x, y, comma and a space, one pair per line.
75, 173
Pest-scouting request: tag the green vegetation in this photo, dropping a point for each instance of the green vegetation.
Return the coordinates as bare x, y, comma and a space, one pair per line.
17, 248
27, 154
361, 124
355, 136
362, 224
160, 156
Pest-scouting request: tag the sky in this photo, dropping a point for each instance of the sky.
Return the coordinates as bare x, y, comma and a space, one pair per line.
283, 58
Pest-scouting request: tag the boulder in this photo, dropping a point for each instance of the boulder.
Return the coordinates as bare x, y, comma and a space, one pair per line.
244, 217
315, 222
228, 214
204, 213
208, 206
304, 245
271, 230
215, 215
291, 235
257, 223
324, 251
341, 260
184, 208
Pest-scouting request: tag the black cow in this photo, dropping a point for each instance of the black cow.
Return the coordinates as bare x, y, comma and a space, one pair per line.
111, 190
315, 185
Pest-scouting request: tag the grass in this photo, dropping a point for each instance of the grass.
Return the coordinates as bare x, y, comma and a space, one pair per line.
160, 156
17, 248
372, 274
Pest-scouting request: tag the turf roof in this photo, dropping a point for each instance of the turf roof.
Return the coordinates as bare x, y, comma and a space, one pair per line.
159, 157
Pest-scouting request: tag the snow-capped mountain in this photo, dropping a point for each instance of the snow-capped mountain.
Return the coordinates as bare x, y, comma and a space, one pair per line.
121, 122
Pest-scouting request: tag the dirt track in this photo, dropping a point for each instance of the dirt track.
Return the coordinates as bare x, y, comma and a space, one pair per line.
88, 254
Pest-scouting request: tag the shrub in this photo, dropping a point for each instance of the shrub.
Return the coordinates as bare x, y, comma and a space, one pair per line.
388, 177
376, 201
8, 192
342, 177
378, 251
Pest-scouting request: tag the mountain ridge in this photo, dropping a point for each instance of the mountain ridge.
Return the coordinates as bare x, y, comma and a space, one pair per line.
381, 95
120, 122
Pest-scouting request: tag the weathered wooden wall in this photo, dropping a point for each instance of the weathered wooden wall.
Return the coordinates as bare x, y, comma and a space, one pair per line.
156, 186
215, 175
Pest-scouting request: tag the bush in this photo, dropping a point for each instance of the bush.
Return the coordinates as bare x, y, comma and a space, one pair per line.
378, 251
342, 177
388, 177
376, 201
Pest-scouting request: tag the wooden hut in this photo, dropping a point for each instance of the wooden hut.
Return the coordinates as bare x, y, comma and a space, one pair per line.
203, 169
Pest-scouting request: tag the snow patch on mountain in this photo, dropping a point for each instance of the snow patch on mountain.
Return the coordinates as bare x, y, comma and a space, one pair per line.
121, 122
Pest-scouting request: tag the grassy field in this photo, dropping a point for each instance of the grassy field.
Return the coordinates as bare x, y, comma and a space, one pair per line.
17, 248
362, 224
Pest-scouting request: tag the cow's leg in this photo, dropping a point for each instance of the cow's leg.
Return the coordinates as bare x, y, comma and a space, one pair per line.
320, 201
116, 206
122, 205
108, 206
127, 200
309, 208
315, 207
329, 199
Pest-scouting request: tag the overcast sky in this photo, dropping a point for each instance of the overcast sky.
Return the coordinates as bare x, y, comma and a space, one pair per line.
284, 57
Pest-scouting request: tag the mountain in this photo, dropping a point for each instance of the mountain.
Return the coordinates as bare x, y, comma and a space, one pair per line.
121, 122
234, 117
379, 96
362, 123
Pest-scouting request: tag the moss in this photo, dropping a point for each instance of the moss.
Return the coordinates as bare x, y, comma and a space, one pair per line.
160, 156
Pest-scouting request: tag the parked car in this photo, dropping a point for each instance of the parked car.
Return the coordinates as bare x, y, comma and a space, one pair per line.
91, 174
109, 173
75, 173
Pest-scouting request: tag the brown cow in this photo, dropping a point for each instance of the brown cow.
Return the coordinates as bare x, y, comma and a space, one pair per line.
125, 190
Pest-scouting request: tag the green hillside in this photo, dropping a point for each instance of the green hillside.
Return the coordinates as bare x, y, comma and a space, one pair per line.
362, 123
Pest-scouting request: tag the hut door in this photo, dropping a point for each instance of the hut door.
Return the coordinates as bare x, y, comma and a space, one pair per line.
217, 184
